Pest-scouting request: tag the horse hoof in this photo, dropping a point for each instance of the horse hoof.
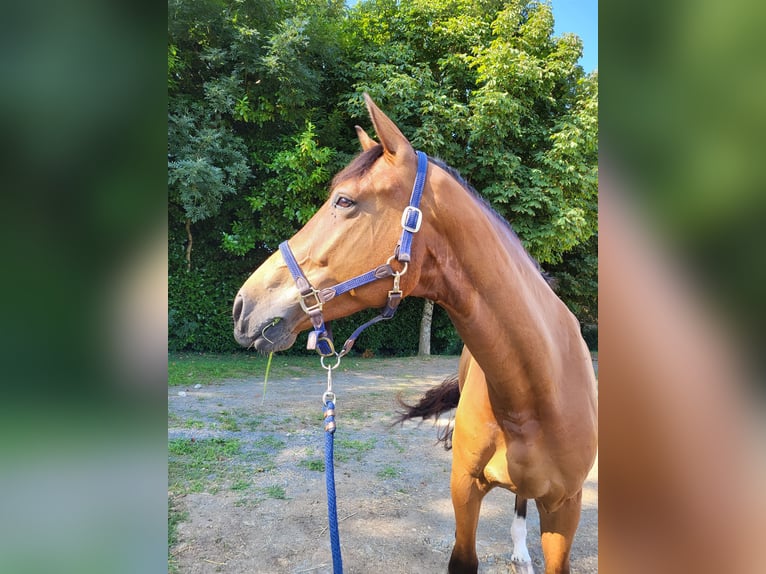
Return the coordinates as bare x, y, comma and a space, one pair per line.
519, 567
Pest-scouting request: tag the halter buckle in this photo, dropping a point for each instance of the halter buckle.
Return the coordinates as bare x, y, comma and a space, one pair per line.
414, 226
322, 344
309, 307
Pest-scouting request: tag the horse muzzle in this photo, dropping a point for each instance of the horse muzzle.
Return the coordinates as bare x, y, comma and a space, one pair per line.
271, 333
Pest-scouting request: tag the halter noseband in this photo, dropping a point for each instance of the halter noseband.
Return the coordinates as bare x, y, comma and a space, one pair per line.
312, 300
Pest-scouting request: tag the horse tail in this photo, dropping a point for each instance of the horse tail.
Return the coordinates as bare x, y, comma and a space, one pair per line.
436, 401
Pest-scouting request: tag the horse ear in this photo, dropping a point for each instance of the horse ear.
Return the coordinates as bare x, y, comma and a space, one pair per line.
366, 141
389, 135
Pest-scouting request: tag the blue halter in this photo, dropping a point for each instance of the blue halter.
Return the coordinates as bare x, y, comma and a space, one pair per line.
312, 300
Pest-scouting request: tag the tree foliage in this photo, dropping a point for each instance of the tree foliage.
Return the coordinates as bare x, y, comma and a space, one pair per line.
208, 162
264, 96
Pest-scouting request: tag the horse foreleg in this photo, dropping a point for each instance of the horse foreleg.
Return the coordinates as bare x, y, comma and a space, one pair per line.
522, 563
557, 530
467, 494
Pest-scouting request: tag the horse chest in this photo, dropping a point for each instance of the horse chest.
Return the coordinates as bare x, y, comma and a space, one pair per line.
520, 447
506, 454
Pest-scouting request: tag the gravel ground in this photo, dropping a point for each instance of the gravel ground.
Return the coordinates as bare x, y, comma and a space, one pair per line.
269, 514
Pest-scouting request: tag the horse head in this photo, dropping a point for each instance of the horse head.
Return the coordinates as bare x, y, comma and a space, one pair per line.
354, 232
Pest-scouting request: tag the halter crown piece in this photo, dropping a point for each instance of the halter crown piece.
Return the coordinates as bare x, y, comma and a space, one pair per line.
312, 300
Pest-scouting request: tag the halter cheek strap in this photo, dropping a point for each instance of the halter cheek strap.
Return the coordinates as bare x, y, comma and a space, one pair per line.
312, 300
412, 217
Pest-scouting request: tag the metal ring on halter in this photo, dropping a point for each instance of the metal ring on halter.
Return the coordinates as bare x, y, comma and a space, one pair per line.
399, 273
328, 367
328, 397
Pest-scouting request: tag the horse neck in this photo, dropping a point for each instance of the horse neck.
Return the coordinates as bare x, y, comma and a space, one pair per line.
506, 314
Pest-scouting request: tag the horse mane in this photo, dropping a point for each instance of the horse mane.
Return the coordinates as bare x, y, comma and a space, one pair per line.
549, 279
455, 174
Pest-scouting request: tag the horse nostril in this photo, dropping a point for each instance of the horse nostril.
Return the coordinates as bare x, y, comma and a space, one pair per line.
238, 305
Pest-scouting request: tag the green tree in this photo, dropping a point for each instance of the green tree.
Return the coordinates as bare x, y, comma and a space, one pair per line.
206, 163
288, 199
498, 97
487, 87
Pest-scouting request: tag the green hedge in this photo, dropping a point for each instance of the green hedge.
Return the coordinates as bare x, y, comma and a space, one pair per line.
200, 299
199, 311
590, 334
399, 336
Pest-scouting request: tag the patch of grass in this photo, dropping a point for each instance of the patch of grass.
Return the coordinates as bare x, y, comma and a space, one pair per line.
389, 471
263, 465
270, 442
276, 492
206, 368
303, 367
347, 448
312, 463
254, 423
241, 484
248, 502
193, 424
228, 421
262, 457
207, 450
175, 420
396, 445
357, 415
199, 465
190, 369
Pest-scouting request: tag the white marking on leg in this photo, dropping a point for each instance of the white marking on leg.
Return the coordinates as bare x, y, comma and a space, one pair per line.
520, 557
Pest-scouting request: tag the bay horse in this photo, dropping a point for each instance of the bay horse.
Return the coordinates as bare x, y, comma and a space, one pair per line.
526, 419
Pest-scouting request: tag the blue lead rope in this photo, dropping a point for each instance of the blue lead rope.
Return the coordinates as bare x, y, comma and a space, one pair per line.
332, 510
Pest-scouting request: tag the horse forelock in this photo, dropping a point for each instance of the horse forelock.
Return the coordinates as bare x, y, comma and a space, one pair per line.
359, 166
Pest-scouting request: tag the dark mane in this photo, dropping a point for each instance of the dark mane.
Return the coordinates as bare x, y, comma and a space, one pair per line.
360, 165
468, 187
472, 190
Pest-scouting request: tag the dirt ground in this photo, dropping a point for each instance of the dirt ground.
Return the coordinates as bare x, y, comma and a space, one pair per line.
392, 482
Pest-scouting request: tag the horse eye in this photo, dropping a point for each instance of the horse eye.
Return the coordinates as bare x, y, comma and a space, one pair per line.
344, 202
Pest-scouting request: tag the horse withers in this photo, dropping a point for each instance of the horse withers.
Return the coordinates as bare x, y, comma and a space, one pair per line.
526, 418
